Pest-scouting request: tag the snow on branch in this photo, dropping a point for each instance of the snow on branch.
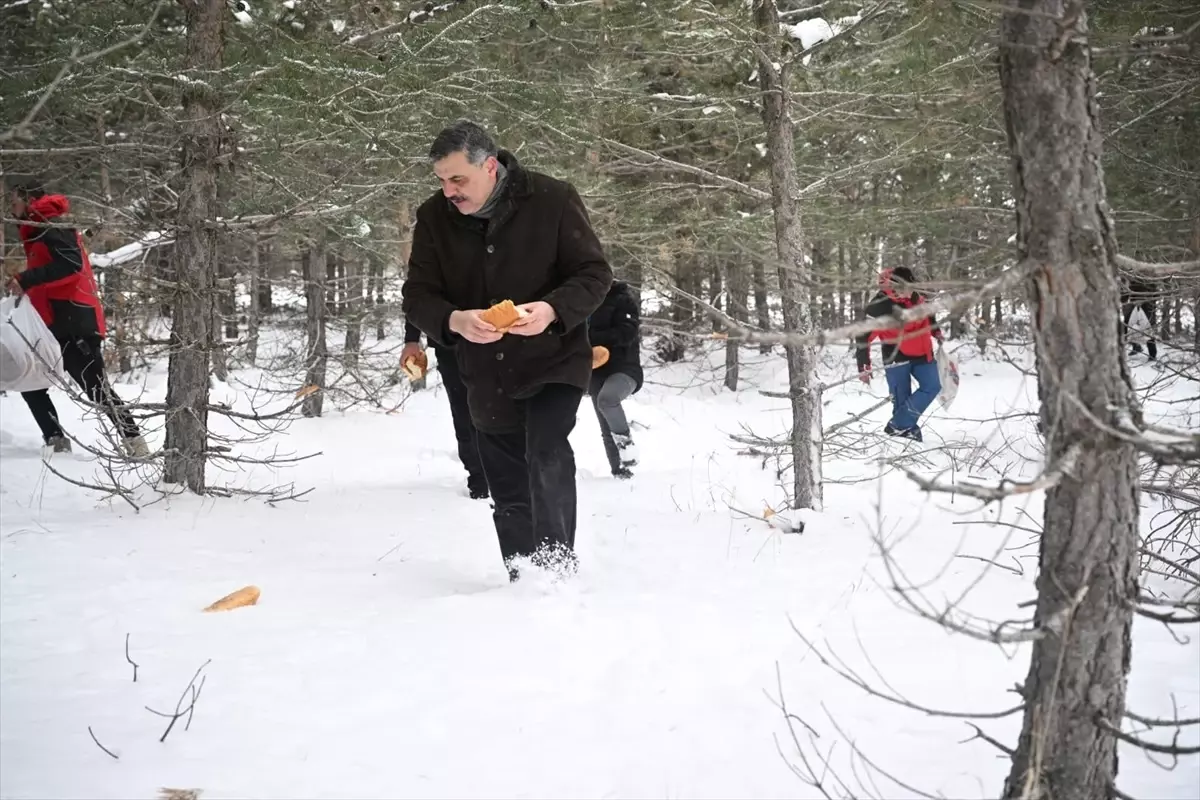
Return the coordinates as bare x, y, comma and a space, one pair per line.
1006, 488
423, 14
129, 252
21, 129
1152, 270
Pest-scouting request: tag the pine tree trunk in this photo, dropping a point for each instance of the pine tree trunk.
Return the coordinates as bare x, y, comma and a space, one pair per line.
265, 297
254, 289
219, 355
332, 285
793, 278
115, 278
957, 327
762, 308
353, 305
195, 252
738, 288
715, 289
317, 354
375, 295
1087, 570
839, 287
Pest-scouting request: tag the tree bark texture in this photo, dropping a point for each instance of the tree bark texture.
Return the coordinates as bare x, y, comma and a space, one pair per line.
793, 278
737, 282
1087, 571
375, 297
316, 352
354, 313
195, 253
254, 309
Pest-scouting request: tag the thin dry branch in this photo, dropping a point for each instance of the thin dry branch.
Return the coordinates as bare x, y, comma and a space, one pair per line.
102, 747
1006, 488
181, 710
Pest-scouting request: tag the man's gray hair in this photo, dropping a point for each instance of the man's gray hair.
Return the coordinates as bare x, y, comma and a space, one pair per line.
463, 136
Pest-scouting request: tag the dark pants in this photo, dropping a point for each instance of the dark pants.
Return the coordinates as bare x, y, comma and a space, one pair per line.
531, 473
464, 429
83, 361
1147, 309
607, 393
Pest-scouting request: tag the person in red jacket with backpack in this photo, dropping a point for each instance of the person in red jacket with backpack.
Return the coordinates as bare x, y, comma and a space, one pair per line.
58, 281
907, 353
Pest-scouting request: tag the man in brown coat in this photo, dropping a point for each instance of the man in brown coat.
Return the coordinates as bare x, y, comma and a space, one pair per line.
496, 232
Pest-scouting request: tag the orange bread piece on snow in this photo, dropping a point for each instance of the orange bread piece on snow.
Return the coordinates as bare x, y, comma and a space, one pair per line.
416, 366
599, 356
246, 596
502, 315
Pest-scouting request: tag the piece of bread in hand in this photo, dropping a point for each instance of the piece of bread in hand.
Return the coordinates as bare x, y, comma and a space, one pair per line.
502, 315
416, 366
599, 356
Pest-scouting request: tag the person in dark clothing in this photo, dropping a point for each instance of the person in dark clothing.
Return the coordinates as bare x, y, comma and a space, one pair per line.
615, 327
58, 281
456, 394
907, 353
1140, 293
496, 232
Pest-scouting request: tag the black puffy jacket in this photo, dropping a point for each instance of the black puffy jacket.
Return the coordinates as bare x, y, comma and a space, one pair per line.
616, 325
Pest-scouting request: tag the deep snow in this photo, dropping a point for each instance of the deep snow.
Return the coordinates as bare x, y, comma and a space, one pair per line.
389, 657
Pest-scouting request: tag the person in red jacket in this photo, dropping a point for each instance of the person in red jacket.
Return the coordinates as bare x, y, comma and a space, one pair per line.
907, 353
58, 281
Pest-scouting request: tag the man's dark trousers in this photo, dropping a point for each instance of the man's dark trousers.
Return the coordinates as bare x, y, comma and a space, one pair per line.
464, 430
531, 474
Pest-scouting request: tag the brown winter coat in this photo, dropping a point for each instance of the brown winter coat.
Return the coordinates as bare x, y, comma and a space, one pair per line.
539, 246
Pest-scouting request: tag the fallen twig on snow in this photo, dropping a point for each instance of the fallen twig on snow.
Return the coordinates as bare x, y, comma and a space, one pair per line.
130, 660
180, 711
102, 747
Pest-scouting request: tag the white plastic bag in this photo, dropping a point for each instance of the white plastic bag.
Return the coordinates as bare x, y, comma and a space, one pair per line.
30, 357
1140, 330
948, 373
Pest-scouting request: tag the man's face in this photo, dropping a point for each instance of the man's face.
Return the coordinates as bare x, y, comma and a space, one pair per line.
466, 185
17, 204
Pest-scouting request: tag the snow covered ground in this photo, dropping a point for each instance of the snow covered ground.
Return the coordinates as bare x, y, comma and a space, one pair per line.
389, 657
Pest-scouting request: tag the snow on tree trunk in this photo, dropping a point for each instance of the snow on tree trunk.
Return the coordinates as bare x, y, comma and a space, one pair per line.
1087, 570
789, 244
195, 253
317, 354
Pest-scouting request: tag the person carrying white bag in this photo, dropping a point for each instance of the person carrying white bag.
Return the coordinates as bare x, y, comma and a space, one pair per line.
59, 285
30, 358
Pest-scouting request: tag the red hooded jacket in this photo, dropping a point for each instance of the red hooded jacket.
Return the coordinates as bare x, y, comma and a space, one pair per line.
58, 276
913, 342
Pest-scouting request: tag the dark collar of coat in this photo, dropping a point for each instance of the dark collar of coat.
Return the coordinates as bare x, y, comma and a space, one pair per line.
518, 187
